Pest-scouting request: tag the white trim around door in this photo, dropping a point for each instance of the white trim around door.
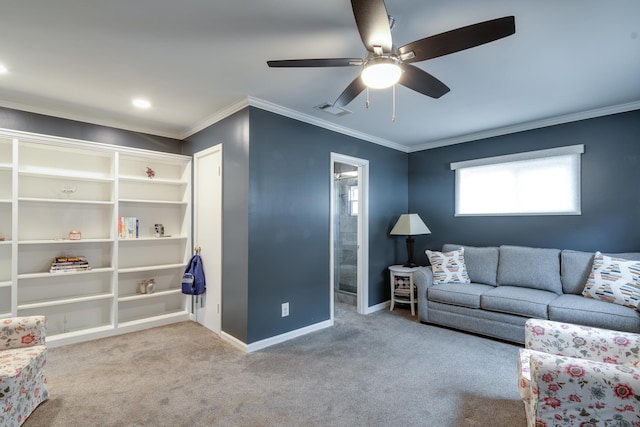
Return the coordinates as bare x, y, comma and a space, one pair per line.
363, 232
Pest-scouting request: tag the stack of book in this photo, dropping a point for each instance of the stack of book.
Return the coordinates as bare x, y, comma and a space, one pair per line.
128, 227
64, 264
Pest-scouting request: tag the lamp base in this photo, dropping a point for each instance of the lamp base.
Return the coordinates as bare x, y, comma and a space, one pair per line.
410, 262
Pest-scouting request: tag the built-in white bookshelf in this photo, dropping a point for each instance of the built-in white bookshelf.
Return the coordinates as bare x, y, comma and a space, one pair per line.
51, 186
154, 191
6, 227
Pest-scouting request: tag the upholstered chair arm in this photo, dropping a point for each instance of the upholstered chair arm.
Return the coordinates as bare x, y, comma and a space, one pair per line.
584, 342
18, 332
423, 279
567, 391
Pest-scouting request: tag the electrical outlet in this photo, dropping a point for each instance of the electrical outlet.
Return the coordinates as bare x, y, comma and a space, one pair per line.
285, 309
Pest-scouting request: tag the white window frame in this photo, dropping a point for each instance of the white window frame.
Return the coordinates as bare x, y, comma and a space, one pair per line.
513, 161
353, 200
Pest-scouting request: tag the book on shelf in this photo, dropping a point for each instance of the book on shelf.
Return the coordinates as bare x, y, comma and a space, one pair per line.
128, 227
63, 264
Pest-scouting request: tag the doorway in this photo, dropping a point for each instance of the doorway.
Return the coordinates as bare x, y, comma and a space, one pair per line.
349, 232
207, 233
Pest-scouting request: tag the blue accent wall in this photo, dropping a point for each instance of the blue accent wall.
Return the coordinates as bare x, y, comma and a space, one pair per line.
289, 217
610, 190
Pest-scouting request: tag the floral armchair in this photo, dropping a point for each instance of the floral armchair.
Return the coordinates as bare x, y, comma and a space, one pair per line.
574, 375
23, 355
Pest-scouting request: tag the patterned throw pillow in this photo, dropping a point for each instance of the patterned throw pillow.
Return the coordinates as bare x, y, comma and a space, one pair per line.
448, 267
614, 280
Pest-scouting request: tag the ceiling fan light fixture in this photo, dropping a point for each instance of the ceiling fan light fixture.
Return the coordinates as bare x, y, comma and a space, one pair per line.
381, 72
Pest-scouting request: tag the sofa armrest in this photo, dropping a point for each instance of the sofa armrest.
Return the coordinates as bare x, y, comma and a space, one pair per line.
578, 391
18, 332
423, 279
564, 339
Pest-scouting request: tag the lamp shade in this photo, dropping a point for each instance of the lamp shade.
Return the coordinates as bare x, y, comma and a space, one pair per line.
409, 225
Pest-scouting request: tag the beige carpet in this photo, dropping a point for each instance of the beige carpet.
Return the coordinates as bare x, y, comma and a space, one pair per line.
384, 369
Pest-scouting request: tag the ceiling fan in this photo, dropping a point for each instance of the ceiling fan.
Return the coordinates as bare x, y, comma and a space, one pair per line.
384, 67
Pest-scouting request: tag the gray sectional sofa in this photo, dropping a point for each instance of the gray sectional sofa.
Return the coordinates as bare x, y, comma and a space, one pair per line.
510, 284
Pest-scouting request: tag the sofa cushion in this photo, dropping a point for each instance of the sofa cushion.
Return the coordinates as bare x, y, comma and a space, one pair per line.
518, 300
535, 268
462, 294
448, 267
615, 280
575, 267
577, 309
482, 263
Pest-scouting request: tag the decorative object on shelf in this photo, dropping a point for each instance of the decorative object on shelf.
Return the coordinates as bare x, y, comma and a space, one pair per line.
68, 190
65, 264
159, 230
147, 286
1, 238
409, 225
150, 173
75, 235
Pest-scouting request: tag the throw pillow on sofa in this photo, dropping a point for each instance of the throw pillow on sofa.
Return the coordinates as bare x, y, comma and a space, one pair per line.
448, 267
615, 280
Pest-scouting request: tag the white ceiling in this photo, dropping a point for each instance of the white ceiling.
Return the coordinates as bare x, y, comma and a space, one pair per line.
198, 60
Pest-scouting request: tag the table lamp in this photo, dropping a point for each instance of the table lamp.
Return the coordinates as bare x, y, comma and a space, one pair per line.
409, 225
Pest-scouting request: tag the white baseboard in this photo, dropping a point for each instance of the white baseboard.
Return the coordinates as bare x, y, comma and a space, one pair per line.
259, 345
233, 341
378, 307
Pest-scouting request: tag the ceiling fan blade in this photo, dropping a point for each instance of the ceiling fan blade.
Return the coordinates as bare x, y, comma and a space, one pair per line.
458, 39
349, 94
421, 81
327, 62
372, 21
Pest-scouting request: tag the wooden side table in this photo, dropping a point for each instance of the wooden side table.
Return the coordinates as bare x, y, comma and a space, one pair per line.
402, 286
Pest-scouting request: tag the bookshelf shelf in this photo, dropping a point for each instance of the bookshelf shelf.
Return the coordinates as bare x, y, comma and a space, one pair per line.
151, 202
153, 295
47, 275
151, 268
65, 201
54, 174
52, 303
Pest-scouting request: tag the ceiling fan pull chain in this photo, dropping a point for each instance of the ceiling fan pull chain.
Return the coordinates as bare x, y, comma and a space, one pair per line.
393, 114
367, 102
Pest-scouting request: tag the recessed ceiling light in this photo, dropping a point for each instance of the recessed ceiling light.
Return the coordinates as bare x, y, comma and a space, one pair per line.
3, 69
141, 103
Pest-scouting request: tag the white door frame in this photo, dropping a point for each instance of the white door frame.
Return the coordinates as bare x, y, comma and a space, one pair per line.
363, 231
212, 317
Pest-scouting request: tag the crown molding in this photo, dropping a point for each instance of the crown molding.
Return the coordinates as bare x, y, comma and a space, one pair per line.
217, 116
292, 114
84, 119
536, 124
283, 111
287, 112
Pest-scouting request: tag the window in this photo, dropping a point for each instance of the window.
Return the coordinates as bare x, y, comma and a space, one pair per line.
353, 200
544, 182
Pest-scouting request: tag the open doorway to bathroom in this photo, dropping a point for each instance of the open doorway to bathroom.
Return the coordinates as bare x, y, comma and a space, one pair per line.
349, 237
345, 243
